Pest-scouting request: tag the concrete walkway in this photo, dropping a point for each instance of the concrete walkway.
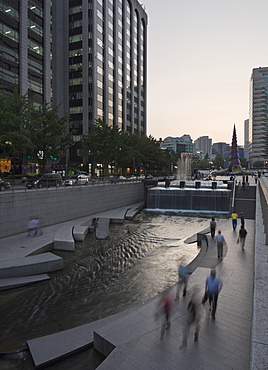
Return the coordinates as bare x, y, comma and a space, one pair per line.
237, 339
133, 336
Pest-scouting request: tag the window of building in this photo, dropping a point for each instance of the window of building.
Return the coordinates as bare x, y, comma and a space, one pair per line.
75, 110
9, 54
35, 9
75, 9
9, 76
75, 38
35, 27
76, 24
9, 32
32, 45
75, 53
35, 86
9, 10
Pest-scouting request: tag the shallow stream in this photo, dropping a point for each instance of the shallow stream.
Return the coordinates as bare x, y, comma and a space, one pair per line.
138, 260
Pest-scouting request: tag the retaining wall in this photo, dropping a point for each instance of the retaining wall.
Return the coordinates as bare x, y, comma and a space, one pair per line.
60, 205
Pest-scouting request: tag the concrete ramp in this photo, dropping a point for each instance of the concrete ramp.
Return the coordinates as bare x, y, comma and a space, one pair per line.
102, 228
63, 239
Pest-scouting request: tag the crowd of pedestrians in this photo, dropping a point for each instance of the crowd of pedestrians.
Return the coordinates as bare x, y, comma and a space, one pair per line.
213, 286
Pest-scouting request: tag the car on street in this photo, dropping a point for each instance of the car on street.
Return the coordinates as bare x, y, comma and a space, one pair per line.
77, 180
45, 181
4, 185
132, 178
141, 177
121, 178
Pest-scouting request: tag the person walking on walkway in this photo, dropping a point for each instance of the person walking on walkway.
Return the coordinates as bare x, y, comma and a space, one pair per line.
242, 237
212, 290
220, 240
164, 310
212, 227
30, 226
193, 317
234, 217
242, 219
183, 275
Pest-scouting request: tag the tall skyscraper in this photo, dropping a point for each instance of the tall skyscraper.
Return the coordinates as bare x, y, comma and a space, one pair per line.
258, 116
221, 148
246, 139
99, 63
89, 56
25, 44
205, 144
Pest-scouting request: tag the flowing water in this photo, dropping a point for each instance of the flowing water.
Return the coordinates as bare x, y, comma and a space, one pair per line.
138, 260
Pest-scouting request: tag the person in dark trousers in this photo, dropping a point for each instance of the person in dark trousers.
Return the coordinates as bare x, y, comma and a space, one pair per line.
212, 227
193, 317
242, 236
242, 219
220, 240
212, 290
183, 275
234, 217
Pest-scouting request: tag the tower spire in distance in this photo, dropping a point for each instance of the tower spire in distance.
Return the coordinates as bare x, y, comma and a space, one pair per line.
234, 161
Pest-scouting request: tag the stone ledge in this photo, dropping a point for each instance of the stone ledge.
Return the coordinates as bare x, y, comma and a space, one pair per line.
63, 239
31, 265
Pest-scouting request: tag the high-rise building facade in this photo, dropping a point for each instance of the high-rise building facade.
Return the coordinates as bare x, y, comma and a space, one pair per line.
205, 144
258, 116
246, 139
88, 56
220, 148
99, 63
184, 144
25, 47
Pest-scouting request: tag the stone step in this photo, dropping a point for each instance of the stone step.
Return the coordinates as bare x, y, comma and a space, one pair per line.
31, 265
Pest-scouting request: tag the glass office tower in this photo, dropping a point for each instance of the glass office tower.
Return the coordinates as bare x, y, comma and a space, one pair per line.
99, 63
25, 47
258, 116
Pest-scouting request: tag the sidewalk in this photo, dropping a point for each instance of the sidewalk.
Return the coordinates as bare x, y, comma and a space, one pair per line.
134, 335
225, 343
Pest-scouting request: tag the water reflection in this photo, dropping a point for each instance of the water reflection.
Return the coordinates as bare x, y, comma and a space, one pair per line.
102, 277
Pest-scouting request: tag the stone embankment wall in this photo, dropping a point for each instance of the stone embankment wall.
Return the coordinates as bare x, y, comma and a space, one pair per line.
59, 205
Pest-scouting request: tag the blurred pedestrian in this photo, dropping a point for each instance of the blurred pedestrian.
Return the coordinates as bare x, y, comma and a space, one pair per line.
35, 223
193, 317
30, 226
234, 217
242, 237
212, 290
183, 278
212, 227
242, 219
164, 310
220, 240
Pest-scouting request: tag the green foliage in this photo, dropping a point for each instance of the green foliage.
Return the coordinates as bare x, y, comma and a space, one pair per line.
14, 118
29, 131
107, 144
244, 162
218, 161
48, 132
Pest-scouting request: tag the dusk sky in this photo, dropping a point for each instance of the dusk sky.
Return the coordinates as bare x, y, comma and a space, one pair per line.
200, 57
